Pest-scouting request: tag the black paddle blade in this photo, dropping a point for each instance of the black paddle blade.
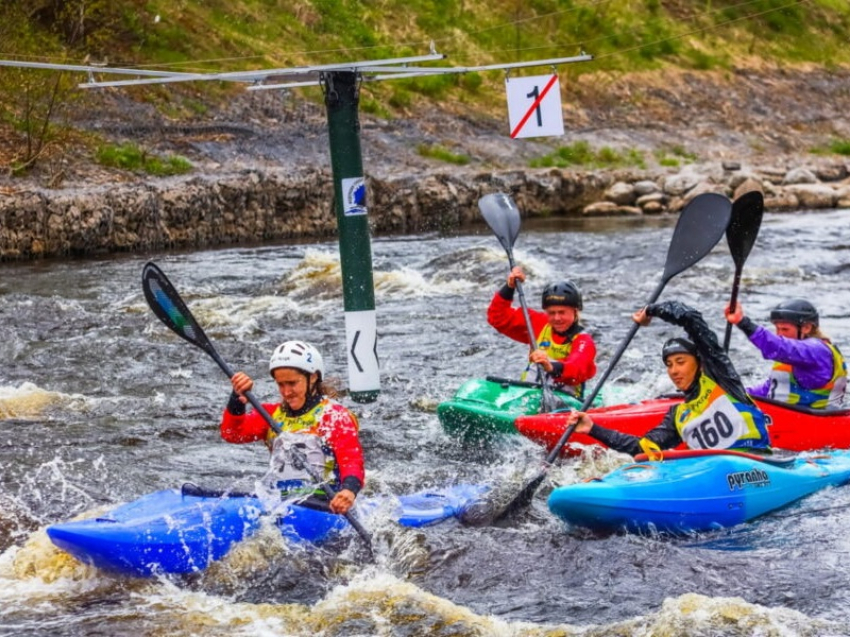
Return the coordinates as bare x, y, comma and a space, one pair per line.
497, 504
166, 303
502, 215
747, 211
701, 225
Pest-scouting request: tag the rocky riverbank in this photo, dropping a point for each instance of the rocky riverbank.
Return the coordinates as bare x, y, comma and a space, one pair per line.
262, 170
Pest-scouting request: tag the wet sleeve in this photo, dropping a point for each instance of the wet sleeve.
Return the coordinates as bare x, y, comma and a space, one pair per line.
761, 391
747, 326
580, 365
664, 435
235, 405
506, 319
244, 427
715, 362
344, 441
809, 353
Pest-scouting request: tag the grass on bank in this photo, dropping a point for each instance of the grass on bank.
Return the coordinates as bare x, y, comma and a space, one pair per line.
441, 153
134, 158
582, 154
622, 35
674, 156
238, 35
838, 146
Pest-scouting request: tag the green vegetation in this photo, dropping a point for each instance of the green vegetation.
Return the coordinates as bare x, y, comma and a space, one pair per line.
132, 157
836, 147
840, 147
435, 151
674, 156
241, 34
238, 35
581, 154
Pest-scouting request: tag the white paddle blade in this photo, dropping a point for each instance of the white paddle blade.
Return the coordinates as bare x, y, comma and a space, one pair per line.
502, 215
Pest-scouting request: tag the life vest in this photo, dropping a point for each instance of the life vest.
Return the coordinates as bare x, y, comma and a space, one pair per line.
557, 352
300, 443
784, 387
717, 420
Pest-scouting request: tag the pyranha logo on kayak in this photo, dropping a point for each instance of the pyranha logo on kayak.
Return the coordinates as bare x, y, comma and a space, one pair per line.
741, 479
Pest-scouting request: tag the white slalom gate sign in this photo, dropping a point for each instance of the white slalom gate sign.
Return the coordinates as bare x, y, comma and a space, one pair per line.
361, 336
534, 106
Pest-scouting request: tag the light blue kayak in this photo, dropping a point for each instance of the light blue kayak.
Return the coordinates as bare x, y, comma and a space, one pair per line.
691, 491
183, 531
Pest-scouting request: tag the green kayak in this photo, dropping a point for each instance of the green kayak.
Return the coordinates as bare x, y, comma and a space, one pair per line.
484, 407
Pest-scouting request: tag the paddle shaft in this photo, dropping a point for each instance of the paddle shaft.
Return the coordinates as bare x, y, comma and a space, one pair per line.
518, 284
588, 401
502, 215
733, 302
547, 397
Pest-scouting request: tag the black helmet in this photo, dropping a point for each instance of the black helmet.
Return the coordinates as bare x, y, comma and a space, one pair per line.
562, 293
678, 346
795, 311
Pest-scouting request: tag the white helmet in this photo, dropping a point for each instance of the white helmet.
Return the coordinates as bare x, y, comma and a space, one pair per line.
298, 355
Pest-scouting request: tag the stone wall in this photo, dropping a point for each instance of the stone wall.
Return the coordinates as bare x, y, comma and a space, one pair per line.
254, 206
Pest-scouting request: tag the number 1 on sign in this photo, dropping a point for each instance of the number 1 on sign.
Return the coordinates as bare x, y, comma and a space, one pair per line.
535, 95
534, 106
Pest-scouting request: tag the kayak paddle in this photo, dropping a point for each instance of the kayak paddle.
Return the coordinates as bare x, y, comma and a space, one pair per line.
700, 226
747, 211
169, 307
502, 215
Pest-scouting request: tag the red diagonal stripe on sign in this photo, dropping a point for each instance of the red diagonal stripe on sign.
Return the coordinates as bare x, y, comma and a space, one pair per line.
545, 90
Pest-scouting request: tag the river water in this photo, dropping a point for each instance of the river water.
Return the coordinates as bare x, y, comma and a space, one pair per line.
100, 404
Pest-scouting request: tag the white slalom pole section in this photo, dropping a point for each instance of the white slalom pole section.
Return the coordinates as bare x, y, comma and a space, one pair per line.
361, 338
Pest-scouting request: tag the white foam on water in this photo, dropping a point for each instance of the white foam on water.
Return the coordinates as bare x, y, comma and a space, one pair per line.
31, 401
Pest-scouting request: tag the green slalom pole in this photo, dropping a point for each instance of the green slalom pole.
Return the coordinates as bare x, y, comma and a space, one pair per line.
355, 248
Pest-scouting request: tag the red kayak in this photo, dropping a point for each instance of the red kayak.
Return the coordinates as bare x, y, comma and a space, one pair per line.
792, 428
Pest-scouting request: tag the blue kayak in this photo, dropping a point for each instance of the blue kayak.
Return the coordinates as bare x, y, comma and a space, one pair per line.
691, 491
183, 531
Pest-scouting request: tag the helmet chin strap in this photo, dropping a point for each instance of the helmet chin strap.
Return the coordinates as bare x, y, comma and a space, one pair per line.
312, 388
311, 399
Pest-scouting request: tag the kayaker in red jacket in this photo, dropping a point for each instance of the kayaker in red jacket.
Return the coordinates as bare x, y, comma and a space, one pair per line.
566, 352
717, 412
325, 432
808, 370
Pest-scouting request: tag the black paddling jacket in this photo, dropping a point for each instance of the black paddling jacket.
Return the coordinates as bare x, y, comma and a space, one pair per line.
714, 362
